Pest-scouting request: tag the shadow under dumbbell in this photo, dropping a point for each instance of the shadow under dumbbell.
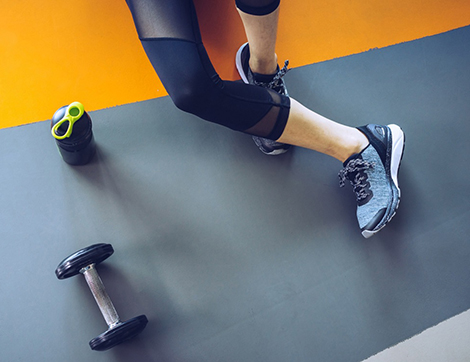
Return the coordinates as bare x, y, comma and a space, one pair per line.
129, 302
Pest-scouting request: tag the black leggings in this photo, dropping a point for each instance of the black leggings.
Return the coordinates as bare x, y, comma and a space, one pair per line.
169, 32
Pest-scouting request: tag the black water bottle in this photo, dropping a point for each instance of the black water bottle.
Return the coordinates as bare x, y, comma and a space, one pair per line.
72, 129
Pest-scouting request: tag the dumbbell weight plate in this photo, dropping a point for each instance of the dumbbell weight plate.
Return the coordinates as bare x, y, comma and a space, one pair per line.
118, 334
93, 254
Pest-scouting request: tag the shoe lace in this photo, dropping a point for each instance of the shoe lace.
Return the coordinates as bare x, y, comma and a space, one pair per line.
276, 82
354, 172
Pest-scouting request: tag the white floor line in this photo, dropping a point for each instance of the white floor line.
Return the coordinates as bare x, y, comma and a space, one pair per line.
449, 341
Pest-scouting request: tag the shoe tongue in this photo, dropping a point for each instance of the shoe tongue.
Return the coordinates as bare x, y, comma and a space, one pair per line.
263, 78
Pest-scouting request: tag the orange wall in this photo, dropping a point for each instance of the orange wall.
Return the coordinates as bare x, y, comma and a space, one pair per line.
55, 52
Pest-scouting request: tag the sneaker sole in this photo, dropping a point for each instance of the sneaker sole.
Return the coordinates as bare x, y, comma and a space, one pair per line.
238, 63
397, 148
398, 145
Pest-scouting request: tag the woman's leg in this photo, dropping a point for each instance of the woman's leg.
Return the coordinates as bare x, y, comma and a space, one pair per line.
308, 129
170, 35
169, 32
262, 25
261, 32
304, 127
371, 154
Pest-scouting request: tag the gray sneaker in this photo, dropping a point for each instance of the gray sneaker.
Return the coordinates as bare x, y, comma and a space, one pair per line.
373, 173
276, 83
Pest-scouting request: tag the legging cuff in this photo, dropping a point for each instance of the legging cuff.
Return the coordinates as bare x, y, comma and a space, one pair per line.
257, 10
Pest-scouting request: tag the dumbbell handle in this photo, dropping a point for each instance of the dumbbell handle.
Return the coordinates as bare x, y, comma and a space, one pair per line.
99, 293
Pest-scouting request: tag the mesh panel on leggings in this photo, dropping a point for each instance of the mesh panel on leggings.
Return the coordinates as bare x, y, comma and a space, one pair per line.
269, 126
165, 19
170, 36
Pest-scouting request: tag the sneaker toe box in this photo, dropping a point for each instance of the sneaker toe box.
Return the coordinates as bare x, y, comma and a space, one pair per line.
374, 224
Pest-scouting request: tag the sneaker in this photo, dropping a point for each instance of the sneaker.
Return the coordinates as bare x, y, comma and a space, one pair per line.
373, 174
276, 83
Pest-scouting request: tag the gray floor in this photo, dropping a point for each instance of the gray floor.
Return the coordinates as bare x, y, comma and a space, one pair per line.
235, 256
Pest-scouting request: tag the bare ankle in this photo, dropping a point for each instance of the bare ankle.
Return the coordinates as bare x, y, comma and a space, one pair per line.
263, 65
357, 146
356, 143
362, 143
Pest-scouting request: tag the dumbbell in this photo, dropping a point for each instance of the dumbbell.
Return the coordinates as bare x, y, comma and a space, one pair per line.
84, 262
